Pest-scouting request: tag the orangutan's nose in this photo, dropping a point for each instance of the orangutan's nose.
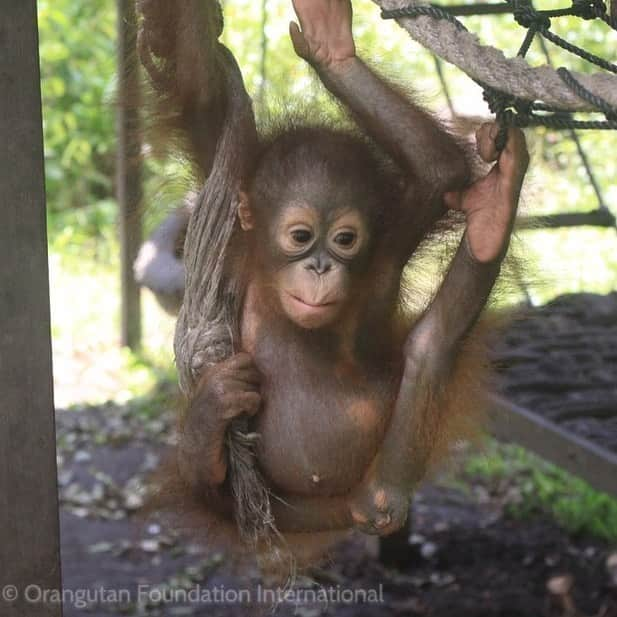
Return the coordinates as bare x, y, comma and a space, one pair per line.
319, 265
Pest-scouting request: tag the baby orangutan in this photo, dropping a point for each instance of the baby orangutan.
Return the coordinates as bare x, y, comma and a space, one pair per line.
353, 398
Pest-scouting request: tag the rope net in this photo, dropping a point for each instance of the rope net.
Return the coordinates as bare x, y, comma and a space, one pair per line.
519, 95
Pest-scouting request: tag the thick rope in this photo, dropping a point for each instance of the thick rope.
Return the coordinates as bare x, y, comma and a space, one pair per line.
207, 330
489, 66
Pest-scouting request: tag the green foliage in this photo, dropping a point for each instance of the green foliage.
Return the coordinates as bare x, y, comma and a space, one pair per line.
531, 486
77, 44
78, 58
86, 233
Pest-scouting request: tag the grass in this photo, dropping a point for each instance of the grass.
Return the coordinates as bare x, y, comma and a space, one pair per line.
89, 363
529, 486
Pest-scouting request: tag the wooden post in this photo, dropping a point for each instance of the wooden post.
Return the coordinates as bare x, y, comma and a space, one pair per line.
29, 530
129, 172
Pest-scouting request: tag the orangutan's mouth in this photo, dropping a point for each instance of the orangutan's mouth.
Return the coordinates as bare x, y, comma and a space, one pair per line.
312, 305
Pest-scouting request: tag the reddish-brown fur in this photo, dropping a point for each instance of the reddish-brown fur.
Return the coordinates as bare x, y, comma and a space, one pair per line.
328, 394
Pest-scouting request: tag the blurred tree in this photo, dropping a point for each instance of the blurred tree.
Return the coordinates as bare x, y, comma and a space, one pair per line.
78, 65
77, 40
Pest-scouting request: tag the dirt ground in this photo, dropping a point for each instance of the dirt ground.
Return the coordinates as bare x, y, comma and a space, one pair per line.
465, 557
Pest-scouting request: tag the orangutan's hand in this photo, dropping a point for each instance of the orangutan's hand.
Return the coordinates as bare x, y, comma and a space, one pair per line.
324, 37
226, 391
490, 204
379, 509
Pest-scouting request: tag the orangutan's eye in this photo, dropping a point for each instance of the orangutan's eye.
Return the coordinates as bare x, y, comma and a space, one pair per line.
346, 239
301, 236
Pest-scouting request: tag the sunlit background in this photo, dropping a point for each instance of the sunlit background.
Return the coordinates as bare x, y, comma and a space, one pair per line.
78, 65
78, 62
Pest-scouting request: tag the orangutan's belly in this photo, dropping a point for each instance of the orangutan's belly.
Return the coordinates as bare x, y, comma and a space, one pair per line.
315, 439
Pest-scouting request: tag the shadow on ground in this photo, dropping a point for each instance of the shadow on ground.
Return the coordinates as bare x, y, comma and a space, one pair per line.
466, 557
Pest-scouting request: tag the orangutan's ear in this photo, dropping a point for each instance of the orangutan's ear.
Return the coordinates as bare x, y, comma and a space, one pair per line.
244, 212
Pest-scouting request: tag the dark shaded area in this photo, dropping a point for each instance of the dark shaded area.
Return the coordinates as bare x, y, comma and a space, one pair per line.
560, 360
